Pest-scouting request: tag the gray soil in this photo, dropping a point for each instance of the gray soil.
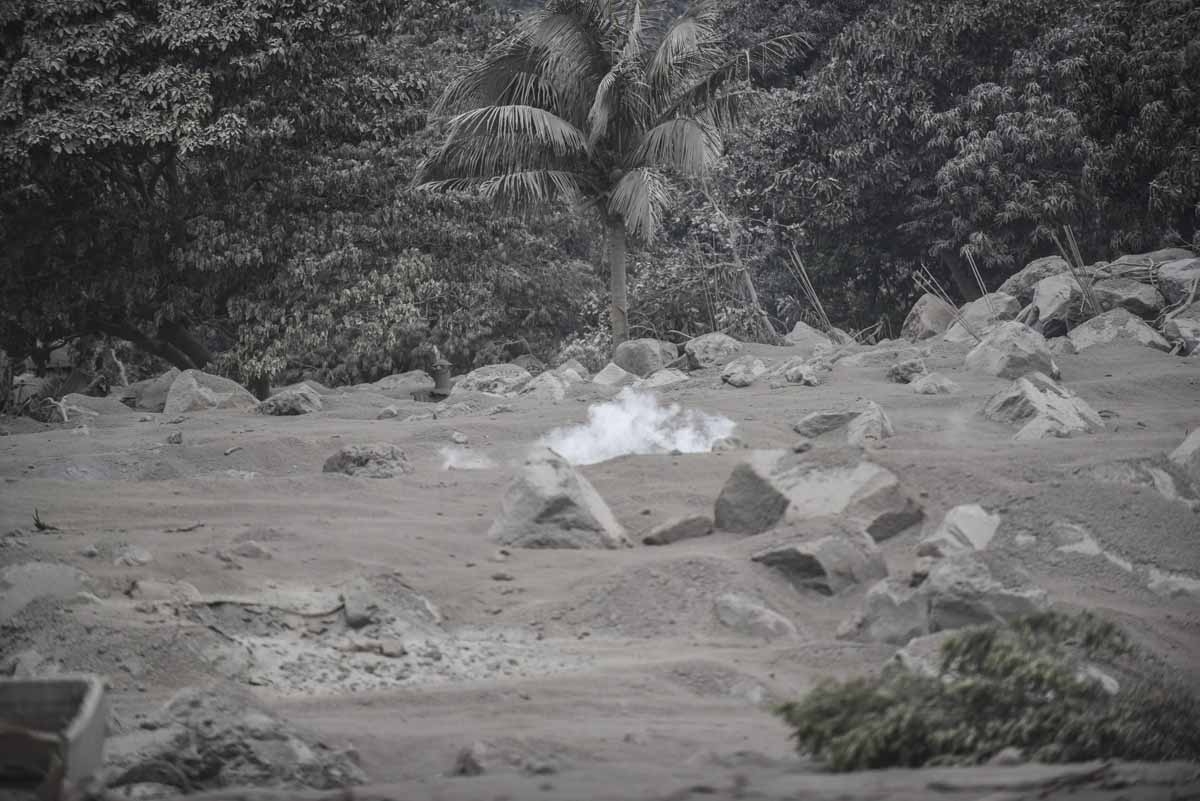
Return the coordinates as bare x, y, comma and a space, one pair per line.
575, 674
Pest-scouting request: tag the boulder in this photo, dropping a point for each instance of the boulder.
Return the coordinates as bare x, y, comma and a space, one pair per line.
747, 616
1043, 408
97, 407
151, 395
805, 336
883, 354
295, 401
929, 317
980, 316
1187, 455
963, 529
743, 371
530, 363
1058, 303
1021, 285
679, 528
870, 426
1158, 473
1061, 346
194, 391
1117, 325
219, 736
613, 376
379, 460
360, 604
959, 592
166, 590
662, 378
494, 379
1184, 328
1011, 350
814, 424
573, 365
549, 386
711, 350
775, 487
907, 371
1177, 277
551, 505
827, 564
644, 356
934, 384
1128, 294
802, 373
407, 383
923, 655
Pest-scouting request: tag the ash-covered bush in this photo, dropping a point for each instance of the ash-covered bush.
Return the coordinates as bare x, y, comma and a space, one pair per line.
1023, 685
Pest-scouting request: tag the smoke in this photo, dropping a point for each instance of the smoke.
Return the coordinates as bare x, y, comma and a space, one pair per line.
635, 423
464, 459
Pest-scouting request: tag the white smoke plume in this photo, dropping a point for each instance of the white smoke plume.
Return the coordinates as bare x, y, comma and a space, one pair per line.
634, 422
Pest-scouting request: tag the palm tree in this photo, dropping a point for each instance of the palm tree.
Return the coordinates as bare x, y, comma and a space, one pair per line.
602, 102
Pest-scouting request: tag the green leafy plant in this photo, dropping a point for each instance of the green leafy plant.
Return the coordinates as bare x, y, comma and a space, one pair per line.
1022, 685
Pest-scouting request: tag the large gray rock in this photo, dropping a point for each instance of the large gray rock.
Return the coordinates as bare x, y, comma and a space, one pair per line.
1021, 284
1058, 303
662, 378
1117, 325
1187, 455
870, 426
929, 317
405, 384
934, 384
805, 336
814, 424
294, 401
494, 379
1184, 328
711, 350
1011, 350
379, 460
743, 371
775, 487
151, 395
907, 371
679, 528
1128, 294
980, 316
747, 616
1043, 408
644, 356
960, 591
551, 505
194, 391
613, 376
549, 386
828, 564
1177, 277
963, 529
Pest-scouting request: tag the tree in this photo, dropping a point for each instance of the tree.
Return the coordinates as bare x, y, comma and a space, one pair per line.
602, 102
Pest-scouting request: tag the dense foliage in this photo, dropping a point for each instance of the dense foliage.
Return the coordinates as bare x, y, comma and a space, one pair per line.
927, 129
1019, 685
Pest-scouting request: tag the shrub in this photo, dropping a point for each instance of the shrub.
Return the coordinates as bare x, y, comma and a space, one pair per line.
1018, 685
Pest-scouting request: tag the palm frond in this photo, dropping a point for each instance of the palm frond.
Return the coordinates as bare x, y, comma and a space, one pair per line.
639, 199
486, 83
541, 127
487, 155
533, 187
602, 108
685, 145
571, 56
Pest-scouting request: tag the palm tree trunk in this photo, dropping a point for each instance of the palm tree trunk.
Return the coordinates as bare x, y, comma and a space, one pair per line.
619, 309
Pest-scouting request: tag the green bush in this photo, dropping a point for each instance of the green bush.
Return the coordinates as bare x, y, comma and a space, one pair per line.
1018, 685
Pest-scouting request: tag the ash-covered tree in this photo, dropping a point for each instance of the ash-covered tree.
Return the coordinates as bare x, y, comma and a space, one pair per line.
125, 123
602, 102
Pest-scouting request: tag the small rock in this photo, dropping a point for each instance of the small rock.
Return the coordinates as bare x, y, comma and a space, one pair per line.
817, 423
751, 618
802, 445
613, 376
662, 378
468, 762
869, 427
291, 402
175, 438
369, 461
1043, 408
725, 444
251, 550
934, 384
964, 528
360, 604
677, 529
459, 438
907, 371
387, 413
828, 564
133, 556
89, 551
